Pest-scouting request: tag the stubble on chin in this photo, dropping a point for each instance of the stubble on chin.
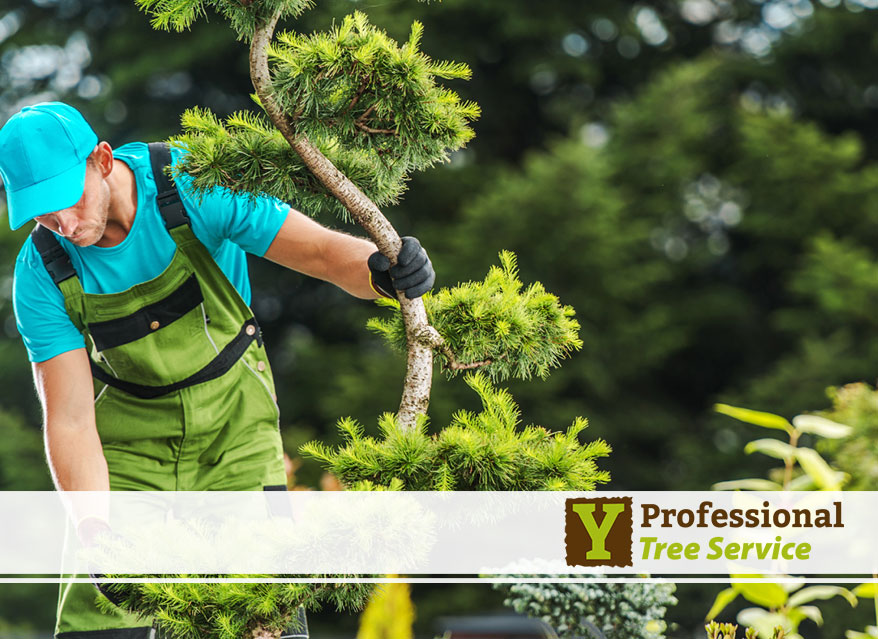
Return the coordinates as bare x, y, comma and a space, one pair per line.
96, 234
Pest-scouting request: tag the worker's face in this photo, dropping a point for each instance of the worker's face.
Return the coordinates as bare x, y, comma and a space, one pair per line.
83, 223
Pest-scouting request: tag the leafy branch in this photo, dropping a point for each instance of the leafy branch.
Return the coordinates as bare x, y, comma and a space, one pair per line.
496, 324
816, 471
476, 451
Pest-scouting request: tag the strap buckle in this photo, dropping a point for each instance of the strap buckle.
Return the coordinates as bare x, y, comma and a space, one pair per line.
171, 208
168, 199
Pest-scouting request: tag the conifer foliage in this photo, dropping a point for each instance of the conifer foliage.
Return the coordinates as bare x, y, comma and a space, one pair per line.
494, 325
243, 15
476, 451
596, 611
247, 155
371, 106
356, 84
351, 98
231, 610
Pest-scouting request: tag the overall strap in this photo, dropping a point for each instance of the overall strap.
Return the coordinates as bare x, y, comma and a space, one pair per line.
54, 257
168, 198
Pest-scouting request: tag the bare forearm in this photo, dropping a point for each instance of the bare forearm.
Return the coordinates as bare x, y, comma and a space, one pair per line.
75, 455
350, 270
306, 247
77, 463
73, 447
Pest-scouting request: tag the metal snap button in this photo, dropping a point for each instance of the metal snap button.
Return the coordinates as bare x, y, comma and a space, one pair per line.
154, 324
250, 330
260, 366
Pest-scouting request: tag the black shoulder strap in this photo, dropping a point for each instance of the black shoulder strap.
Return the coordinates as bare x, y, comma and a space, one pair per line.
168, 198
54, 257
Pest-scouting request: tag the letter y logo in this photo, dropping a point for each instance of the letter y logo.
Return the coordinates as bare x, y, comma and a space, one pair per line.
599, 531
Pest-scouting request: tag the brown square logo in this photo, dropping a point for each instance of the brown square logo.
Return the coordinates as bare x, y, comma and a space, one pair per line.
598, 532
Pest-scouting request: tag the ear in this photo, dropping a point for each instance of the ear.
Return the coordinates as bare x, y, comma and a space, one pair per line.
103, 155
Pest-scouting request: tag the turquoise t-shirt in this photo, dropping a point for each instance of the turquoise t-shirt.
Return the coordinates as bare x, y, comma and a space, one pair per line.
227, 224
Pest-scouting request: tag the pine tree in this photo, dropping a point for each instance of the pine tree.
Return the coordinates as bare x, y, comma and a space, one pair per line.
350, 114
346, 116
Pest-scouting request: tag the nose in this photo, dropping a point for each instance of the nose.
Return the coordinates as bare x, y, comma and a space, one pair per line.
68, 222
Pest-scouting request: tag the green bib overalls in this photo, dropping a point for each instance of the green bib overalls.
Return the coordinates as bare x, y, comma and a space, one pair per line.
184, 397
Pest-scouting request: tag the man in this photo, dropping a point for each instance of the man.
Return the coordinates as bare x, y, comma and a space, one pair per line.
132, 300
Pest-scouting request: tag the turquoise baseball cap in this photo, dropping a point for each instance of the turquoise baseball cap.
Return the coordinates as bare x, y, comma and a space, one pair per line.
43, 152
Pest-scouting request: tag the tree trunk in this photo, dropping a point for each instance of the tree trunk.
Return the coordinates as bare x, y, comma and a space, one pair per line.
421, 337
263, 633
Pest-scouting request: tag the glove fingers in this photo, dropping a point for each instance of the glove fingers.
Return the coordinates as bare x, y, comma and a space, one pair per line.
413, 272
420, 276
410, 248
415, 264
417, 291
377, 262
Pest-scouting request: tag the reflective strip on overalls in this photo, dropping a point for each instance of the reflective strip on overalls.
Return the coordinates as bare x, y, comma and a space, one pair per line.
184, 396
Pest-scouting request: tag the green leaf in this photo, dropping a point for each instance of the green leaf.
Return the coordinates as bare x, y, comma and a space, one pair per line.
755, 417
802, 482
792, 584
771, 447
768, 595
747, 484
869, 590
821, 592
821, 426
723, 599
817, 468
811, 612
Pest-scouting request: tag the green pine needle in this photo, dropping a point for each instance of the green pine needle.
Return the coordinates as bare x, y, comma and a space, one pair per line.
178, 15
234, 609
476, 451
374, 95
523, 332
244, 154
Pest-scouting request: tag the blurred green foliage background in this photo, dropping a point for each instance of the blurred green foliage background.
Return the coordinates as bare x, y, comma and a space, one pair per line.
697, 178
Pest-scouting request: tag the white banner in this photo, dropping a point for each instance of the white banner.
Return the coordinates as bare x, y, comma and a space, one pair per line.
454, 533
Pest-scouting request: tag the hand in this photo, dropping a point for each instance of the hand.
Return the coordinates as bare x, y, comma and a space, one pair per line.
413, 273
90, 529
93, 531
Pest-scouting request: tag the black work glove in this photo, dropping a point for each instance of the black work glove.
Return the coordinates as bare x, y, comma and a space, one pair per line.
413, 273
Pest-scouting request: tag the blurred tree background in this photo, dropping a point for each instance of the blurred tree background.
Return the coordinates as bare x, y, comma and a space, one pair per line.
697, 178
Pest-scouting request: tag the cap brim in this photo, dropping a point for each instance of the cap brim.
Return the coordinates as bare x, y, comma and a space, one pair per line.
59, 192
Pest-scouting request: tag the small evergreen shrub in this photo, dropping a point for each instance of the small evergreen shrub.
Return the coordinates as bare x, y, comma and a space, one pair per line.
618, 610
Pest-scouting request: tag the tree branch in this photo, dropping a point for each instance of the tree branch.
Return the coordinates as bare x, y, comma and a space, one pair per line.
360, 90
367, 129
260, 632
458, 366
362, 119
419, 365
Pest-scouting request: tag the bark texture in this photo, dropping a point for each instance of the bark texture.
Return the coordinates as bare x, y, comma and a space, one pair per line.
421, 337
260, 632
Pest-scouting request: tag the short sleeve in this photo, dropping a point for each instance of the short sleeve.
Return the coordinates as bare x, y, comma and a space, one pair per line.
40, 314
250, 222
